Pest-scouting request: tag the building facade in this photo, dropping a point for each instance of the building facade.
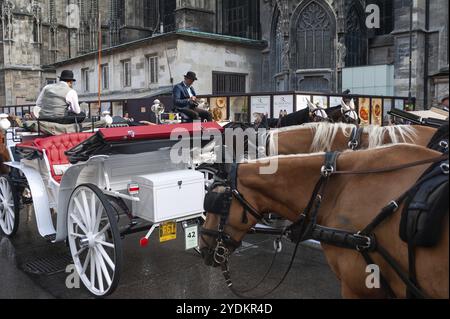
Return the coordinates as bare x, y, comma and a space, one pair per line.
269, 45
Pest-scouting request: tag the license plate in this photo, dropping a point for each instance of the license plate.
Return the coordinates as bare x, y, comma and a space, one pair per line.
167, 232
191, 237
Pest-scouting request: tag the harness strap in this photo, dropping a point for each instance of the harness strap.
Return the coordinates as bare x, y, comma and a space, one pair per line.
355, 138
394, 168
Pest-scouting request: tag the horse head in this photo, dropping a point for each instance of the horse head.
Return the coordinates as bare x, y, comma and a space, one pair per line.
317, 112
349, 113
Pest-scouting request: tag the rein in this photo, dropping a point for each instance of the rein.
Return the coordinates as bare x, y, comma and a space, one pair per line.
307, 228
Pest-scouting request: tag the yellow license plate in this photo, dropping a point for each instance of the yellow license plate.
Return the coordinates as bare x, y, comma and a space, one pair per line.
167, 232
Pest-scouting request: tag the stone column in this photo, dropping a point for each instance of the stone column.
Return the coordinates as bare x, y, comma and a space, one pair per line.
402, 49
196, 15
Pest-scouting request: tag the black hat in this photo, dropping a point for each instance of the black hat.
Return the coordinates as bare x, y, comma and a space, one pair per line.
67, 75
191, 75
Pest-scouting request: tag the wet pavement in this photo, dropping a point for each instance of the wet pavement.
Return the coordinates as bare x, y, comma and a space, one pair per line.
166, 270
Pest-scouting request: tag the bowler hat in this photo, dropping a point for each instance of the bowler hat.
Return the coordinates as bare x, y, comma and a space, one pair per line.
67, 75
191, 75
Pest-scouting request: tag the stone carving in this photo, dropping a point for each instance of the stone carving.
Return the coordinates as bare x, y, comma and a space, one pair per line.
341, 53
7, 20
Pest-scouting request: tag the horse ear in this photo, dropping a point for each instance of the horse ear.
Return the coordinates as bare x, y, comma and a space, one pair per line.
352, 105
344, 105
311, 106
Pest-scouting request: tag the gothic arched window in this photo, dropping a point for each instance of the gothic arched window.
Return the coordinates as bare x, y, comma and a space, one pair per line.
241, 18
355, 38
314, 40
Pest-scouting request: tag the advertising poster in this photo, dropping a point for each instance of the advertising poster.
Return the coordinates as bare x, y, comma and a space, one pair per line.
219, 109
260, 104
239, 109
377, 112
302, 102
364, 111
282, 104
322, 100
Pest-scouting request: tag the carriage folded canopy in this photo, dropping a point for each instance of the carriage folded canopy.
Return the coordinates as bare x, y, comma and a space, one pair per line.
136, 140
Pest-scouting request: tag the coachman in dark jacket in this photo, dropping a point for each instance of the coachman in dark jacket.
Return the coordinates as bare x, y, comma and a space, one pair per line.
185, 99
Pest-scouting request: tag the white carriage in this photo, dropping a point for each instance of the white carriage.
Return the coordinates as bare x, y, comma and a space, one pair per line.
102, 186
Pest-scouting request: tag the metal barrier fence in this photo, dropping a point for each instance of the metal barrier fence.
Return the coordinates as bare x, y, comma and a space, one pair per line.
241, 107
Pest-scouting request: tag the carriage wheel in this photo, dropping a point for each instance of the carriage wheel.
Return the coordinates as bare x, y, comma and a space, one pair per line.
9, 207
94, 240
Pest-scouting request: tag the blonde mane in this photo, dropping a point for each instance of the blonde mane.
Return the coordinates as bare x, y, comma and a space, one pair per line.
325, 135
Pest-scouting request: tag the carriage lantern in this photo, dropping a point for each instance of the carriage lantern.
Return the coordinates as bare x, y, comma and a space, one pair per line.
5, 124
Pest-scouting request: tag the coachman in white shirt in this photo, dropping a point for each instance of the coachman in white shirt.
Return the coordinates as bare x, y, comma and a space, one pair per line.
59, 101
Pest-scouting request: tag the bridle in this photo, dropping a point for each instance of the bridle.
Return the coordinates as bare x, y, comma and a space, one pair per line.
356, 138
347, 116
307, 227
319, 115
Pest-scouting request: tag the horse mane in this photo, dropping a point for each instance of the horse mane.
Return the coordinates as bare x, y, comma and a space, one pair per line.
321, 153
325, 134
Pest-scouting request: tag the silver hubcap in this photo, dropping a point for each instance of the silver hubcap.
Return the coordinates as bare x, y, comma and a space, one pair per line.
7, 215
92, 248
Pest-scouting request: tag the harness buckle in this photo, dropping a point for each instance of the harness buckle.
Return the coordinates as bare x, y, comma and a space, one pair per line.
395, 204
365, 247
327, 171
221, 254
353, 145
445, 168
444, 145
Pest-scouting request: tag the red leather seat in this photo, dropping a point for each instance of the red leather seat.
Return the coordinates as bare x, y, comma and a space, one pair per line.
55, 148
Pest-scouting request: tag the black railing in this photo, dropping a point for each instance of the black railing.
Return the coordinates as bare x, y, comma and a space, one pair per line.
372, 109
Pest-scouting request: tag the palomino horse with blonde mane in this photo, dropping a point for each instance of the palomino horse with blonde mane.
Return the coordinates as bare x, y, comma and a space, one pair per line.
325, 137
353, 188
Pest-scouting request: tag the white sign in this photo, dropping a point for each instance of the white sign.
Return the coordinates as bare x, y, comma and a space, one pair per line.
302, 102
322, 100
400, 104
260, 104
387, 106
335, 101
282, 103
191, 237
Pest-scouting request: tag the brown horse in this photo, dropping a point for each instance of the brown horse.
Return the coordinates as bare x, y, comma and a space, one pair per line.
351, 202
322, 137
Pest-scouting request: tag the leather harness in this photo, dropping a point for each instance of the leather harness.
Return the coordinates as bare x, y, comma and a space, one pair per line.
306, 227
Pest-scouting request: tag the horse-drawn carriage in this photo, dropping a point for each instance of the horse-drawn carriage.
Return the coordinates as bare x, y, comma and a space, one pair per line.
92, 189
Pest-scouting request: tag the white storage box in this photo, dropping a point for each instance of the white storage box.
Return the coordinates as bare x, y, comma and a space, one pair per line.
169, 196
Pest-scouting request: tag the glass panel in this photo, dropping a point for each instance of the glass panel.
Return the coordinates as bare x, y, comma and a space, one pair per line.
118, 109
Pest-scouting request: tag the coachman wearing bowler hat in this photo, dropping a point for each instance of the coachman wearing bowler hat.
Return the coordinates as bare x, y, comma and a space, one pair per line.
185, 99
59, 101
